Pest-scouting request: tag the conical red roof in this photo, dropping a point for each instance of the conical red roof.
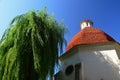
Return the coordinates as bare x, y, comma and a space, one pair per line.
89, 35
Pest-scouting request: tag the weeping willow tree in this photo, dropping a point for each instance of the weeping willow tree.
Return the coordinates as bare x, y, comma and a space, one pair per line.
30, 47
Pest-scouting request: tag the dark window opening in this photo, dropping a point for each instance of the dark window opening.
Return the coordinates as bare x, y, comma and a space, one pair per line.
69, 70
87, 24
78, 75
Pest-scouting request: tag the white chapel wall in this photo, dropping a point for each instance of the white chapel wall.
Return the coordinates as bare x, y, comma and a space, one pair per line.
100, 63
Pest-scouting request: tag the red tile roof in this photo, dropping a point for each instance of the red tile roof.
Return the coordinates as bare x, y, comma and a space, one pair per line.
89, 35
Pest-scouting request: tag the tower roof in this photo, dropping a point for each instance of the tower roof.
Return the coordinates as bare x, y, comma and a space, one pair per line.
89, 35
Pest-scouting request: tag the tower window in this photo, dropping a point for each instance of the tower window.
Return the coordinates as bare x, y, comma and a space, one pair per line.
69, 70
86, 24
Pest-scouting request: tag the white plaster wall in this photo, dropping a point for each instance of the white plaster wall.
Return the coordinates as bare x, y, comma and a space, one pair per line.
70, 61
100, 63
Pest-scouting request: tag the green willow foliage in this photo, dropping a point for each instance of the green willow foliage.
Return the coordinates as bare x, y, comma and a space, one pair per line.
30, 47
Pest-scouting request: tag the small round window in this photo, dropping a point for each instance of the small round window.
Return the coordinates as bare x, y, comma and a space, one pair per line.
69, 70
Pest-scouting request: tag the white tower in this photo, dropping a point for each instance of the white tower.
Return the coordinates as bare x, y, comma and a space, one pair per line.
86, 23
90, 55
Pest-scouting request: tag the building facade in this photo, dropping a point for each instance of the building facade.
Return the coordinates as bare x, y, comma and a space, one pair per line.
90, 55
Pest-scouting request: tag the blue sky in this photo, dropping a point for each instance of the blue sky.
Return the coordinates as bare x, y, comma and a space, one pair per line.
104, 13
